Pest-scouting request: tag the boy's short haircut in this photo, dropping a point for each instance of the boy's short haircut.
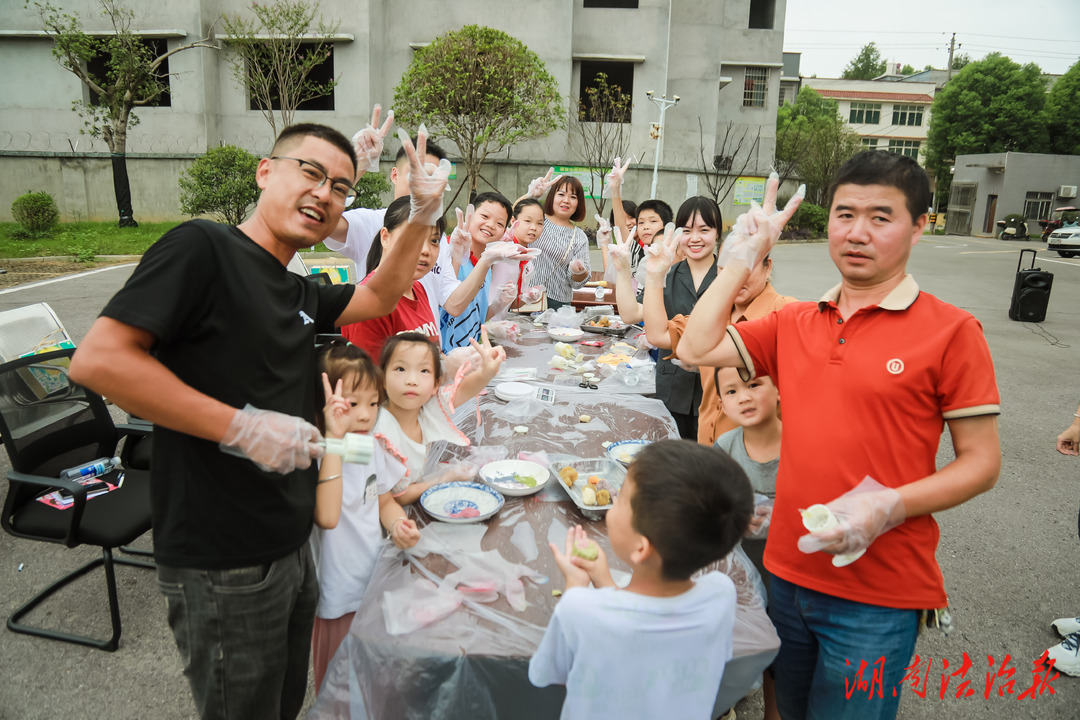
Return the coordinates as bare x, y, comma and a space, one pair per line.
881, 167
494, 197
524, 203
430, 149
628, 207
296, 133
575, 185
692, 502
659, 207
705, 208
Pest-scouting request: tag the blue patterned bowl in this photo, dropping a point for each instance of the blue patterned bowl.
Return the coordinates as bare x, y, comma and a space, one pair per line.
461, 502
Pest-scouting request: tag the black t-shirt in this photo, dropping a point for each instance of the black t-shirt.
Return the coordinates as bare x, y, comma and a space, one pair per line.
233, 323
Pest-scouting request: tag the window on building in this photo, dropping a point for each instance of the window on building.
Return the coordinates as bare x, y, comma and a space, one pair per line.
321, 74
907, 115
611, 3
756, 87
782, 93
869, 143
1037, 205
905, 147
762, 14
865, 113
618, 76
98, 68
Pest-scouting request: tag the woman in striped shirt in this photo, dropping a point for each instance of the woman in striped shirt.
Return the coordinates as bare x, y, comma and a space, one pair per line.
563, 264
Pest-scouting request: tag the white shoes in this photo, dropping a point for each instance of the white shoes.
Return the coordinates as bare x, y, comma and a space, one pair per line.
1066, 654
1066, 626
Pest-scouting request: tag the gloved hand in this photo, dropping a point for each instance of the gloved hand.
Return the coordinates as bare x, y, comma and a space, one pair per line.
577, 266
502, 251
461, 238
531, 295
508, 234
756, 232
660, 254
603, 232
642, 343
864, 514
614, 179
505, 296
274, 441
426, 185
458, 358
540, 185
619, 251
528, 274
369, 142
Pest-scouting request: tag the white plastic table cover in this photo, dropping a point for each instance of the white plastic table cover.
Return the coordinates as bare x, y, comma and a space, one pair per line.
472, 662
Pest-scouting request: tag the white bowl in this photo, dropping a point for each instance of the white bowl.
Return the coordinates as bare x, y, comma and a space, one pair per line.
509, 391
565, 334
623, 452
447, 502
502, 475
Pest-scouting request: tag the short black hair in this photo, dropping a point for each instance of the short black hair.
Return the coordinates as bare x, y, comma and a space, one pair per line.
659, 207
429, 149
575, 186
705, 208
494, 197
628, 207
323, 132
693, 503
411, 337
526, 202
881, 167
397, 214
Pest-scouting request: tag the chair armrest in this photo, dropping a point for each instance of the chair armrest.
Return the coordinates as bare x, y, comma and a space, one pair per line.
75, 512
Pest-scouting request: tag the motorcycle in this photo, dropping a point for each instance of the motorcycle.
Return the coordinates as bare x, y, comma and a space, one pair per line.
1012, 227
1058, 218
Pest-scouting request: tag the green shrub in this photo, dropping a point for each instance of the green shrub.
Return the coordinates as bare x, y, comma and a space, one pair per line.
36, 212
220, 183
369, 191
811, 218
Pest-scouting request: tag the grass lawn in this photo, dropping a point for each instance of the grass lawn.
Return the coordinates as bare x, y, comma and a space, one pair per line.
86, 239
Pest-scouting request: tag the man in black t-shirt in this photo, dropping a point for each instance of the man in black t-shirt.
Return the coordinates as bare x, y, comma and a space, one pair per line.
212, 340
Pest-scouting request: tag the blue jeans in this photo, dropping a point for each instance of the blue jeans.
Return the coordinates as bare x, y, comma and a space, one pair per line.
244, 634
824, 641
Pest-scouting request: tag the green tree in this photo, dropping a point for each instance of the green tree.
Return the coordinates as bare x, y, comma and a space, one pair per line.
907, 70
1063, 118
482, 89
867, 65
601, 132
132, 79
992, 105
960, 60
369, 191
812, 141
273, 53
221, 183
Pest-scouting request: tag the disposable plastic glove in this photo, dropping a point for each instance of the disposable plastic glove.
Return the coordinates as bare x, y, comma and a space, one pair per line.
540, 185
864, 514
577, 266
619, 251
532, 295
458, 358
660, 256
369, 142
426, 185
614, 178
461, 238
274, 441
756, 232
603, 232
528, 274
502, 251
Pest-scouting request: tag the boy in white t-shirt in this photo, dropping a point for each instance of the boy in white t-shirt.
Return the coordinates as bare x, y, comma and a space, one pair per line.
656, 648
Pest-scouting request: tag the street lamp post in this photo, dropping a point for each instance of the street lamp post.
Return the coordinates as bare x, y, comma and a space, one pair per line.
663, 103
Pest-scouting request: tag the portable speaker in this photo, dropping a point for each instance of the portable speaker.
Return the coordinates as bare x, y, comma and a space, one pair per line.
1031, 292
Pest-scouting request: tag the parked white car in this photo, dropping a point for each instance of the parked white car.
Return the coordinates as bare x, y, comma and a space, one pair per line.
1066, 241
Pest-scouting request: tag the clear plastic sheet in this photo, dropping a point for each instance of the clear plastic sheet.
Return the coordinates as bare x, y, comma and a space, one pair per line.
466, 652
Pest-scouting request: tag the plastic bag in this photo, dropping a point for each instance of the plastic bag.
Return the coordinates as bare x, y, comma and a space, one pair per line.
565, 317
503, 330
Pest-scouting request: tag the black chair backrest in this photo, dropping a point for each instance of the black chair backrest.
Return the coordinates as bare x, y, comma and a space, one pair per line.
49, 423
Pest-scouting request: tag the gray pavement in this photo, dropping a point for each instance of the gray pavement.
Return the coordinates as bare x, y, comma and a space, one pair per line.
1008, 557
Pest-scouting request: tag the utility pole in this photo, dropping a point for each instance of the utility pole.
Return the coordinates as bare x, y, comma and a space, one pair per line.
952, 48
658, 132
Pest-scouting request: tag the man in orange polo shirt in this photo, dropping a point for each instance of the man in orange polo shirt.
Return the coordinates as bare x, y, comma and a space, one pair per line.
869, 376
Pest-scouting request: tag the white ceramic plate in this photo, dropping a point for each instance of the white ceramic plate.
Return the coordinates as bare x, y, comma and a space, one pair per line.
511, 477
461, 502
509, 391
566, 334
609, 470
624, 452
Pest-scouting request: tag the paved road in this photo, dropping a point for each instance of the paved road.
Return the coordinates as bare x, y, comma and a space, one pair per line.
1009, 557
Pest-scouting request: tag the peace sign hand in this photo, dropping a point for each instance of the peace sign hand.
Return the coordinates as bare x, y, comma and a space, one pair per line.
491, 358
603, 232
660, 256
615, 177
336, 409
369, 142
756, 232
461, 239
426, 185
619, 251
540, 185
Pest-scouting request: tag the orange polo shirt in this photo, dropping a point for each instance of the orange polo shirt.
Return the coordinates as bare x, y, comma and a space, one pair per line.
712, 423
868, 395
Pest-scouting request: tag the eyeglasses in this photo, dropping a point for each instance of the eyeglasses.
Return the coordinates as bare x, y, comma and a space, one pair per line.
343, 193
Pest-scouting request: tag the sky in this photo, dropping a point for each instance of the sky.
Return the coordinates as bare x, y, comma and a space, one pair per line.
829, 33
